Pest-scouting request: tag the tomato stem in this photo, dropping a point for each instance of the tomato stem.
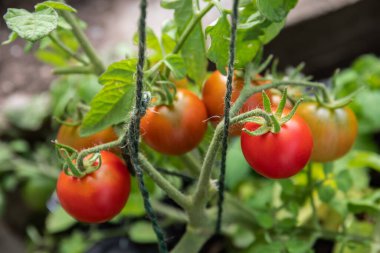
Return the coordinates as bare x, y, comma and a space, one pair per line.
181, 199
83, 41
190, 27
310, 183
74, 70
66, 49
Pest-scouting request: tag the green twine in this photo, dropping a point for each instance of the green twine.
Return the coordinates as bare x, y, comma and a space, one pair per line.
142, 101
227, 106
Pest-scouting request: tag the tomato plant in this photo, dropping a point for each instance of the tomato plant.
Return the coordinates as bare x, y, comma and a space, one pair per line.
214, 91
99, 196
69, 135
259, 215
278, 155
175, 129
334, 130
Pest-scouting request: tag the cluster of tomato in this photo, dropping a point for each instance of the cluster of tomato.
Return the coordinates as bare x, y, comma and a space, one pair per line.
315, 133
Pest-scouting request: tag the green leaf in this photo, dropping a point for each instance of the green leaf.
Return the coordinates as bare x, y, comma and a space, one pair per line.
52, 58
294, 245
177, 66
273, 247
218, 51
326, 193
75, 243
54, 5
364, 159
275, 10
154, 51
246, 49
142, 232
344, 180
32, 26
59, 221
114, 102
12, 37
170, 4
242, 237
264, 219
236, 163
194, 49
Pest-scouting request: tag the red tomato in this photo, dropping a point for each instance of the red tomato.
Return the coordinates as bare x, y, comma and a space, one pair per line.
278, 155
214, 91
98, 196
334, 130
176, 129
69, 135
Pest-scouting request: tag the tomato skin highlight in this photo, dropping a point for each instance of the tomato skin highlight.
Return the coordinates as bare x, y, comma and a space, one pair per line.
214, 91
98, 196
69, 135
278, 155
334, 130
176, 129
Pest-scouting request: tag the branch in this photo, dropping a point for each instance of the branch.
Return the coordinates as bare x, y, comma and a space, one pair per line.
164, 184
74, 70
84, 42
66, 49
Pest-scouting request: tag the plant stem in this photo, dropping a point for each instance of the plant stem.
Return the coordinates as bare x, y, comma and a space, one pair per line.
375, 247
333, 235
192, 163
88, 151
66, 49
250, 90
200, 196
171, 212
74, 70
310, 184
165, 185
190, 27
192, 241
84, 42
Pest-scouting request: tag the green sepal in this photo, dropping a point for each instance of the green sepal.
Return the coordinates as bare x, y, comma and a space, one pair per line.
70, 164
340, 103
257, 120
282, 104
264, 65
275, 123
89, 165
267, 104
291, 113
12, 37
259, 131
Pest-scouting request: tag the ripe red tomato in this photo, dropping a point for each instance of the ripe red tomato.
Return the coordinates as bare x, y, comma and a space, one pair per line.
176, 129
278, 155
214, 91
334, 130
69, 135
98, 196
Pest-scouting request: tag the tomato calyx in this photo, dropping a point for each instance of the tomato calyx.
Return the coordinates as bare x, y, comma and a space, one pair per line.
277, 120
339, 103
72, 166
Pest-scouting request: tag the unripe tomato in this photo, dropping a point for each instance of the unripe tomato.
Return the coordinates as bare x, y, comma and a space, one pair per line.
278, 155
98, 196
214, 91
69, 135
334, 130
37, 192
176, 129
